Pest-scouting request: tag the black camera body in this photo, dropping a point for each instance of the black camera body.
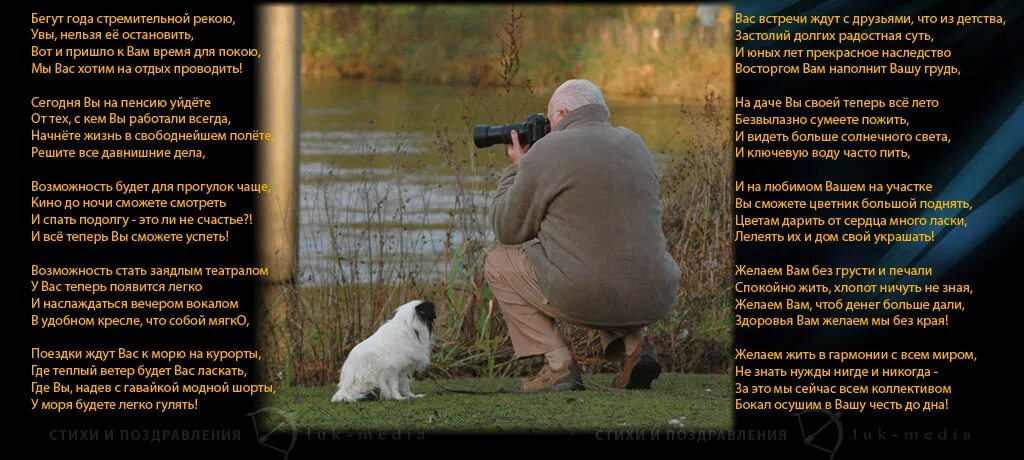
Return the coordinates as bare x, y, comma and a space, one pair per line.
535, 127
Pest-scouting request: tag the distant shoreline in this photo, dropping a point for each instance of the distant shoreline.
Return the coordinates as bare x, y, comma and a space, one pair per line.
644, 51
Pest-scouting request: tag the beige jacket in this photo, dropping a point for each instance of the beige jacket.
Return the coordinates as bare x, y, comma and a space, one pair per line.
588, 193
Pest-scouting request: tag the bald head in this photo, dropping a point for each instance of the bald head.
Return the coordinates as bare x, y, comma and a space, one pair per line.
572, 95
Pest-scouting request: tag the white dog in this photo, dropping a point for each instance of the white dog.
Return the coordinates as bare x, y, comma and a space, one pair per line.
381, 366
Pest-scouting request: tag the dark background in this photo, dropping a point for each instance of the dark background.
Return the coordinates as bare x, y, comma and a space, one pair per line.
225, 162
974, 107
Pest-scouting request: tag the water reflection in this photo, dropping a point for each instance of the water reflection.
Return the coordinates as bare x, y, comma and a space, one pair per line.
388, 167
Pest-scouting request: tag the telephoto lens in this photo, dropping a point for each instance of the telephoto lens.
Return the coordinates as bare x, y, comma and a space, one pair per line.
535, 127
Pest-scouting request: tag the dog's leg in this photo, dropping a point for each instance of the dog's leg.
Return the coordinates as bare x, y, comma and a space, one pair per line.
404, 385
396, 389
389, 386
385, 388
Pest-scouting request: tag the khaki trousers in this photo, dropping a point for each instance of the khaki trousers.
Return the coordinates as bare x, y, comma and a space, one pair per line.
528, 313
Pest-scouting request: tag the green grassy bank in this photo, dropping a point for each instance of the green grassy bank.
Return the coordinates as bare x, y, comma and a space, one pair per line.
676, 402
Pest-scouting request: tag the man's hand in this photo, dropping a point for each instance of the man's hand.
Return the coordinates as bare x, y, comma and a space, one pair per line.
515, 151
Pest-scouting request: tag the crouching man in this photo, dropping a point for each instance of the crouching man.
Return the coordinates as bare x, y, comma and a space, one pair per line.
578, 219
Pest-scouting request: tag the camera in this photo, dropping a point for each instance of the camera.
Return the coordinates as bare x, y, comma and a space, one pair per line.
535, 127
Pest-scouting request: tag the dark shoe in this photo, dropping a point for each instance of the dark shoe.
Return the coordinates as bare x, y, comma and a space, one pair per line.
568, 378
639, 369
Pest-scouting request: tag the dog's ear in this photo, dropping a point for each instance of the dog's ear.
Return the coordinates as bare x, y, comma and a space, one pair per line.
425, 312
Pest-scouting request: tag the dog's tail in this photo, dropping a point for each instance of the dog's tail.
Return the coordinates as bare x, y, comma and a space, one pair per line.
351, 389
342, 395
346, 389
348, 394
345, 393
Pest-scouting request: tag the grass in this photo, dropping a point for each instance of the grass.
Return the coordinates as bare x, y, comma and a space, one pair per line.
676, 401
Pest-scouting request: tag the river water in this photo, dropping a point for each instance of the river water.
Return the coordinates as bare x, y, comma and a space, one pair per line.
390, 178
